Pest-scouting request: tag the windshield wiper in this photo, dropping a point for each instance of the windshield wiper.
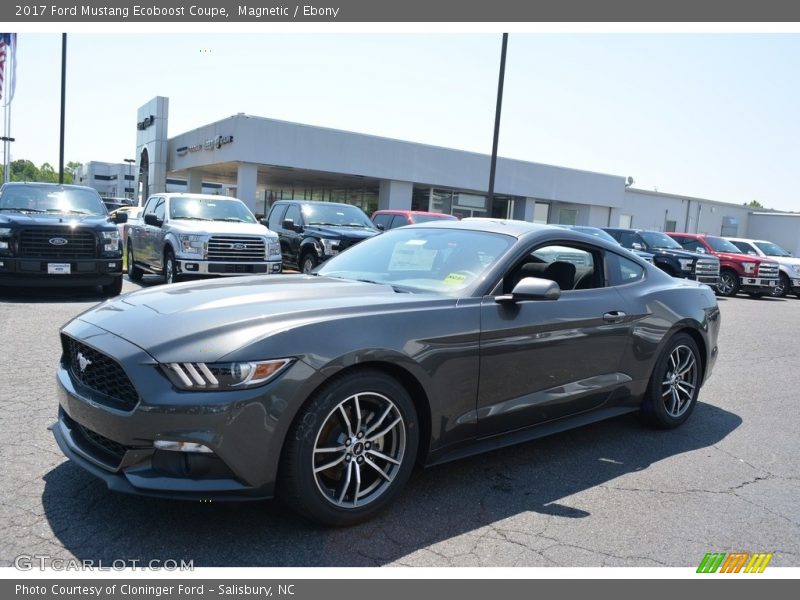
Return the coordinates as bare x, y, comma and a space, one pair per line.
23, 209
234, 219
396, 288
193, 218
71, 211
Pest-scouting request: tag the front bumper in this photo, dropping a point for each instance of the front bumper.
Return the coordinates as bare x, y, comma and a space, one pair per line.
244, 429
709, 280
188, 266
34, 271
752, 282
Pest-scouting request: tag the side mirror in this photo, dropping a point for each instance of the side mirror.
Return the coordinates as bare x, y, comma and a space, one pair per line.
531, 288
121, 217
152, 219
700, 250
265, 223
637, 246
381, 227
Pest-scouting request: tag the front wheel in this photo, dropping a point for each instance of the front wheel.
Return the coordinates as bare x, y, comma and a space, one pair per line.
134, 272
728, 283
308, 262
350, 450
674, 384
170, 273
783, 286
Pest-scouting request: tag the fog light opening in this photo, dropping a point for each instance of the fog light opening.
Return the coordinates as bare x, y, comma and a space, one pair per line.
182, 446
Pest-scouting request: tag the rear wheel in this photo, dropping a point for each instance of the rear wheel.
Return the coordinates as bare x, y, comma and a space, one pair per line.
134, 272
308, 262
350, 450
728, 283
675, 383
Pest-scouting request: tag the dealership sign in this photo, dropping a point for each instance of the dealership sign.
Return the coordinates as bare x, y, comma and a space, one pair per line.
210, 144
145, 123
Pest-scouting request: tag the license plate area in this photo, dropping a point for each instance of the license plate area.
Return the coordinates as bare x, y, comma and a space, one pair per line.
59, 268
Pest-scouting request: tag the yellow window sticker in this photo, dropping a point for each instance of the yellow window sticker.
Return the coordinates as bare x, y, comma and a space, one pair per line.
455, 279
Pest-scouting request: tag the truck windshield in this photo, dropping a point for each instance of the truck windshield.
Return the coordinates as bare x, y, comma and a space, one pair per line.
210, 209
771, 249
52, 199
656, 239
336, 214
721, 245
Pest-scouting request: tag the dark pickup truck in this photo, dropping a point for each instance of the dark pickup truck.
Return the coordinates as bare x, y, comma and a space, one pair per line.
668, 255
58, 235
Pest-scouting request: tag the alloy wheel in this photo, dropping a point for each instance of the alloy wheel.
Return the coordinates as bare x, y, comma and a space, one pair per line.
680, 381
359, 450
726, 284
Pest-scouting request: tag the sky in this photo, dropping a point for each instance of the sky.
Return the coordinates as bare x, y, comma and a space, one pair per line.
713, 115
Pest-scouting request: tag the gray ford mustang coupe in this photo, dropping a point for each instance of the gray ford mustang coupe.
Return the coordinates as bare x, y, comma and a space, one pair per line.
422, 345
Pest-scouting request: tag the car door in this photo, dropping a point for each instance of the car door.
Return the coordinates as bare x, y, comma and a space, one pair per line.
155, 206
546, 359
158, 233
293, 237
141, 233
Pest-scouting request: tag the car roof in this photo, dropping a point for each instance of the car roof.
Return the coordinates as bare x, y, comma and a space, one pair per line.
505, 226
394, 211
194, 196
315, 202
48, 184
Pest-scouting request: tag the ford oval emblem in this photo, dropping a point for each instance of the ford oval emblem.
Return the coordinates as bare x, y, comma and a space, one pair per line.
238, 246
58, 241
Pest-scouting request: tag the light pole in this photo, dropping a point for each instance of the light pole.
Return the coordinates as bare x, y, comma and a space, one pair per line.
6, 162
130, 162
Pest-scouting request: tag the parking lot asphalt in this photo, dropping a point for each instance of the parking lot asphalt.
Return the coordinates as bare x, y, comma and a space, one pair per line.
610, 494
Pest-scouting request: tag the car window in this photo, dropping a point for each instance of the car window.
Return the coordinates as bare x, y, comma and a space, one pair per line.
628, 238
692, 245
622, 270
398, 221
383, 220
571, 266
745, 248
159, 209
150, 206
293, 213
276, 216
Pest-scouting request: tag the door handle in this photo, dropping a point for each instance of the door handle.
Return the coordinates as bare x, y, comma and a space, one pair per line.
614, 316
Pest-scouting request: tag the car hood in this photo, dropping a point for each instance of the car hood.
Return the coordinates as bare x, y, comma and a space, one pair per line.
679, 253
353, 233
206, 320
738, 257
53, 219
220, 227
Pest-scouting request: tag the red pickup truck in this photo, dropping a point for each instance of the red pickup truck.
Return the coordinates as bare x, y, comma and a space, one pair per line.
737, 272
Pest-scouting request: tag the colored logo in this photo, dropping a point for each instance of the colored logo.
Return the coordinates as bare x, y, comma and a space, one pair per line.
734, 562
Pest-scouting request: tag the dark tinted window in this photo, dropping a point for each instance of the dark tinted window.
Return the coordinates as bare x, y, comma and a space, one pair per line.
398, 221
623, 270
293, 213
383, 220
628, 238
276, 216
692, 245
744, 248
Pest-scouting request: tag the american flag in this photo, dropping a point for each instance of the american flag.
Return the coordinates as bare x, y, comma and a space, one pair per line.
8, 45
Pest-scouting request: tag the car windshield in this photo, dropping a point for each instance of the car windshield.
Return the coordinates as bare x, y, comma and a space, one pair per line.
722, 245
56, 200
340, 215
655, 239
210, 209
446, 261
771, 249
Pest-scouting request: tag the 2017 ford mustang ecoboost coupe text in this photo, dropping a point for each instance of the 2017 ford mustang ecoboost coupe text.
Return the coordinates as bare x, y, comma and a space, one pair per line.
421, 345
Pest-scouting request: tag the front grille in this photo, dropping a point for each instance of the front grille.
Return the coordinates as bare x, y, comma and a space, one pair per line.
236, 248
100, 373
35, 243
109, 447
768, 270
237, 268
706, 267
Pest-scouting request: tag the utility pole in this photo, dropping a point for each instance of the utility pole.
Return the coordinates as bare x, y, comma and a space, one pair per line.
63, 104
497, 121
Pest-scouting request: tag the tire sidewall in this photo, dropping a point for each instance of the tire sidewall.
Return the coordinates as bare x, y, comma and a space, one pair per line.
134, 272
653, 406
734, 283
297, 472
308, 257
169, 268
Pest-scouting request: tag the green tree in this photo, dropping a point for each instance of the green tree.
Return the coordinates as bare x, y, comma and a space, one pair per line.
25, 170
754, 204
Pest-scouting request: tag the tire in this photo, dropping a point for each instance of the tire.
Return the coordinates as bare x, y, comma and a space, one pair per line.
671, 397
756, 295
170, 275
134, 272
728, 283
114, 288
783, 287
308, 262
374, 455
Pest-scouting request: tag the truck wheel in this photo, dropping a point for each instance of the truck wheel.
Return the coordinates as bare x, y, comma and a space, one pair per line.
308, 262
134, 272
756, 295
114, 288
783, 286
728, 283
350, 450
675, 383
170, 273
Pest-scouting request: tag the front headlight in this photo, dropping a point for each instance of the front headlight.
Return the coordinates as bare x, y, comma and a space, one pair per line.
749, 267
192, 244
214, 377
330, 247
273, 249
111, 241
686, 263
796, 269
5, 231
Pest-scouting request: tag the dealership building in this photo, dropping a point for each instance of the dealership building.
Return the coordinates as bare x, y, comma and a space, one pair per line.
260, 160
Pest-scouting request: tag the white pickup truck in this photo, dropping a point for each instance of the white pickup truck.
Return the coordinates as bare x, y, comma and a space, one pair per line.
789, 276
200, 235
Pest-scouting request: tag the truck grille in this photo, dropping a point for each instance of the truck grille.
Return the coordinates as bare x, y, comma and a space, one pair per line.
707, 267
100, 373
236, 248
35, 243
768, 270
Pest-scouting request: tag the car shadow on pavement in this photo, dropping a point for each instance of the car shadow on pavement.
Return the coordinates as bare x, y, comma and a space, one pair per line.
52, 295
439, 503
